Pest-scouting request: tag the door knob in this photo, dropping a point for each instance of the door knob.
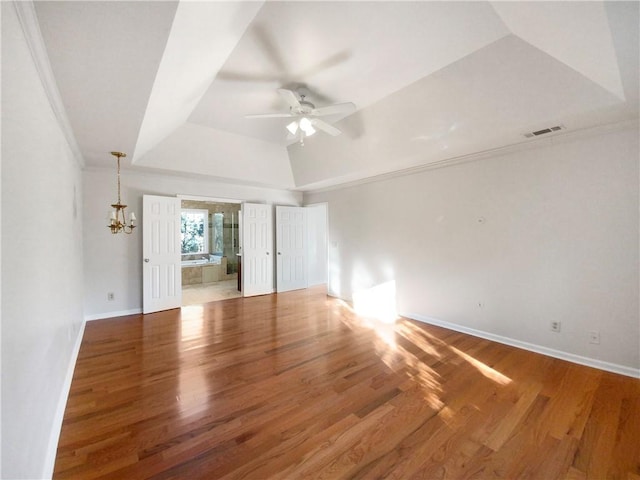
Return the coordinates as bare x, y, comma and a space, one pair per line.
279, 253
146, 260
267, 253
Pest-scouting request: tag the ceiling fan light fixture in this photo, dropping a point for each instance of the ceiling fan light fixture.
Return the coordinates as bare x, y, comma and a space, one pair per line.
293, 127
307, 127
305, 115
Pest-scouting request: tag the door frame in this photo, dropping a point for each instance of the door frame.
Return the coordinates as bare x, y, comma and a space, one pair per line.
200, 198
232, 201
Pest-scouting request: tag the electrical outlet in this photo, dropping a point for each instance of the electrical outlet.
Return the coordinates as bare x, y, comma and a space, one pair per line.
480, 304
594, 337
555, 326
111, 296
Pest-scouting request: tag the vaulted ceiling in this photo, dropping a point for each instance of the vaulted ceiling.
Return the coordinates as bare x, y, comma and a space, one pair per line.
170, 83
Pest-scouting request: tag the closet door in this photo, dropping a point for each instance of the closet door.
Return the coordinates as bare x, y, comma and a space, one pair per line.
291, 248
257, 249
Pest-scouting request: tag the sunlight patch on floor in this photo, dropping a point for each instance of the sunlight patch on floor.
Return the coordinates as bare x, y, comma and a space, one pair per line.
425, 340
377, 302
483, 368
402, 345
375, 309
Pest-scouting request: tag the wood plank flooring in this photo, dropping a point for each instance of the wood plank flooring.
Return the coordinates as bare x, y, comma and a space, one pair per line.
295, 385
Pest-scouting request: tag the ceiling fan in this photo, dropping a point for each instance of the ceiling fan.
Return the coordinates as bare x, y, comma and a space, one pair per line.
305, 115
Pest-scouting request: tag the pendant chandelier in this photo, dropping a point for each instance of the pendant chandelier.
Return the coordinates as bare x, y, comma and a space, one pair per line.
117, 216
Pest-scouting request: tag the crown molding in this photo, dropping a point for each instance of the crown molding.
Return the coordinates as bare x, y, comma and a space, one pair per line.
28, 19
158, 173
541, 142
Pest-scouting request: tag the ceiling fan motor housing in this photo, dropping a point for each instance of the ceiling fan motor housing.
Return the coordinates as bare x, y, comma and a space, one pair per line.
305, 107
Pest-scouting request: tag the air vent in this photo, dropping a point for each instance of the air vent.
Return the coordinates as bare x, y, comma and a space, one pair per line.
544, 131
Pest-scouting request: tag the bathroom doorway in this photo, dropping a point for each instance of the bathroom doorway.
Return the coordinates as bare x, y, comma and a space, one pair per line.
209, 245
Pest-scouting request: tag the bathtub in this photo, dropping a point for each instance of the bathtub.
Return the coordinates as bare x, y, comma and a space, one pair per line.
200, 261
204, 270
213, 260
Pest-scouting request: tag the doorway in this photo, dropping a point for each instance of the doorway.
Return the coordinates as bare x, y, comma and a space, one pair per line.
210, 242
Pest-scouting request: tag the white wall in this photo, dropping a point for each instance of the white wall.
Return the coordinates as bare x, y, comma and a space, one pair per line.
113, 263
41, 263
545, 234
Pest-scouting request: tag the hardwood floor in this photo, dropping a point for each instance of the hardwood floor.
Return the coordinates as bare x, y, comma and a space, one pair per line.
295, 386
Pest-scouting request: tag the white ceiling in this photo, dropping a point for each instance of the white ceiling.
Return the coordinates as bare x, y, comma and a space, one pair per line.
170, 82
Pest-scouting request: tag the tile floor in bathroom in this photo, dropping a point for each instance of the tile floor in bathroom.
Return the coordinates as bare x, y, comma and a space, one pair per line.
209, 292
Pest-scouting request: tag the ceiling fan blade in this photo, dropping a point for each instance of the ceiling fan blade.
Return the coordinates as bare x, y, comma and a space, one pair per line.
270, 47
248, 77
325, 64
290, 97
270, 115
325, 127
344, 108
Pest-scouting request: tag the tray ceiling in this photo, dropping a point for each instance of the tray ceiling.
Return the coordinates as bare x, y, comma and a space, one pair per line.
171, 82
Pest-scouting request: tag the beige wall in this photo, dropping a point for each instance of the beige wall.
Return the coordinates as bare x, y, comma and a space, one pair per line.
505, 245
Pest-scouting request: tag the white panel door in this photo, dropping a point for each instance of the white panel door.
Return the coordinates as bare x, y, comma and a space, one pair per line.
291, 248
257, 249
162, 282
317, 216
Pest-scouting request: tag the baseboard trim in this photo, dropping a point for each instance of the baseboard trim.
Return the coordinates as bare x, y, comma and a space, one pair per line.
50, 460
118, 313
569, 357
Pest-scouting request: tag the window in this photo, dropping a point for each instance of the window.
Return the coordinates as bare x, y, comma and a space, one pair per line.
194, 226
